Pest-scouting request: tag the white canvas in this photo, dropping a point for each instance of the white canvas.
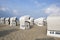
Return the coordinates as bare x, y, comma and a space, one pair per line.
25, 22
13, 21
39, 21
53, 24
31, 21
2, 20
7, 21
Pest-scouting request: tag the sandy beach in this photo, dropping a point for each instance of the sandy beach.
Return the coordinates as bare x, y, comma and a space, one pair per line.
15, 33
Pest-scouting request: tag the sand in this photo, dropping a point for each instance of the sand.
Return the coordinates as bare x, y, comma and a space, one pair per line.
15, 33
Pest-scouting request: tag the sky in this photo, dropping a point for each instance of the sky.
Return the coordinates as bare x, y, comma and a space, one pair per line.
34, 8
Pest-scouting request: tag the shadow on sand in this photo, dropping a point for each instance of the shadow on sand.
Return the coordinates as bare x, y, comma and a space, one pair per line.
6, 32
46, 39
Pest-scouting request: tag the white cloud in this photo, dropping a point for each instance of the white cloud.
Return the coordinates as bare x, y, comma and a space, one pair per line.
53, 9
4, 8
37, 3
15, 12
11, 11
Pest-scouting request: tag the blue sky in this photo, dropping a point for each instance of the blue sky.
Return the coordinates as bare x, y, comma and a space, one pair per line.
34, 8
